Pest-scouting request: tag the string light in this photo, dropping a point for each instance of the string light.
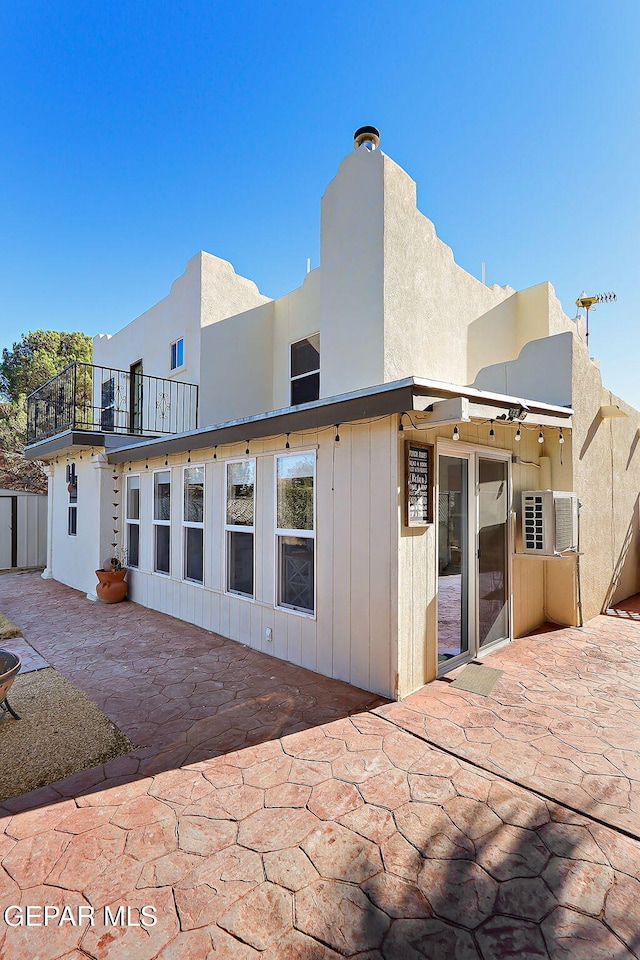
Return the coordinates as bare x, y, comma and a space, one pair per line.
561, 437
540, 436
337, 436
492, 433
215, 452
518, 436
456, 433
287, 445
189, 457
247, 450
401, 425
146, 464
129, 466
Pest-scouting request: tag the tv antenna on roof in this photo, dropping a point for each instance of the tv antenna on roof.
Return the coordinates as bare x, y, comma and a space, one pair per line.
587, 302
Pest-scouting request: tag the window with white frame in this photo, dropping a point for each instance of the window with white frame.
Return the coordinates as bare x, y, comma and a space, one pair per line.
240, 525
72, 491
305, 370
132, 518
193, 524
295, 531
162, 521
177, 354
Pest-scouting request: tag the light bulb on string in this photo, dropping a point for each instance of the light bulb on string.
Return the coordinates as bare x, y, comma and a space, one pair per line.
518, 436
541, 436
456, 433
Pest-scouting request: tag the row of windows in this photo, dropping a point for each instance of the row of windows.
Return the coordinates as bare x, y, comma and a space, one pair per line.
294, 530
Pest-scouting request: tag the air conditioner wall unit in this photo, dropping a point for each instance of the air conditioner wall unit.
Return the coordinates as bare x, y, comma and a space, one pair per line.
549, 522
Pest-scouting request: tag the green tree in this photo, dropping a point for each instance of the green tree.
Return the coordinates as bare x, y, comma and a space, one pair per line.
33, 360
37, 357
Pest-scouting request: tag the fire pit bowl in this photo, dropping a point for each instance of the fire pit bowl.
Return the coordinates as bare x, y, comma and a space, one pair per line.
10, 664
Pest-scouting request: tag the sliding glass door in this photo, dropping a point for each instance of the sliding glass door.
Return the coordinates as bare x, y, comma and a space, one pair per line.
453, 557
473, 553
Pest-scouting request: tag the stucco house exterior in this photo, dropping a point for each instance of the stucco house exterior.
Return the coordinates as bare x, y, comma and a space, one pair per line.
335, 477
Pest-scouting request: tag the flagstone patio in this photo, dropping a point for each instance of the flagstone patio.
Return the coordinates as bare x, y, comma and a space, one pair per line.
347, 836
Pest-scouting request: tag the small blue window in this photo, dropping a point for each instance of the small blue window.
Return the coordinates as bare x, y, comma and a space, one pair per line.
177, 354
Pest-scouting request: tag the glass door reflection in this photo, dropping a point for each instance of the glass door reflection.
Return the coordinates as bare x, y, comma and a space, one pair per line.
453, 557
493, 509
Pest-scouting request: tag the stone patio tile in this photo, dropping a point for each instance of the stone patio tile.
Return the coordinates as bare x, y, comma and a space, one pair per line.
432, 832
42, 820
373, 823
507, 937
527, 898
340, 915
287, 795
331, 799
290, 868
389, 790
31, 860
397, 897
27, 943
512, 852
576, 883
204, 836
134, 942
340, 854
473, 817
260, 917
622, 912
296, 946
458, 890
420, 939
570, 935
622, 852
85, 856
401, 858
268, 830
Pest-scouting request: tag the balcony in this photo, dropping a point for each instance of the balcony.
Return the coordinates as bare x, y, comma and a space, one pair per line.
103, 400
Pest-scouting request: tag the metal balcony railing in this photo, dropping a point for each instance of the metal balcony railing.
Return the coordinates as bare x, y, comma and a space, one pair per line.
84, 396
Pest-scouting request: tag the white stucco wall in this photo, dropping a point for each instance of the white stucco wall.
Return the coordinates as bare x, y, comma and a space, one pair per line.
74, 559
542, 370
208, 291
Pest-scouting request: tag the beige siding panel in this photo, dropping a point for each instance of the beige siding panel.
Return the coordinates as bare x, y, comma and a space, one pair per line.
360, 555
325, 553
309, 633
255, 626
294, 639
244, 621
341, 555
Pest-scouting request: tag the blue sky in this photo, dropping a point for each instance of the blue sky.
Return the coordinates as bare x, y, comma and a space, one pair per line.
135, 134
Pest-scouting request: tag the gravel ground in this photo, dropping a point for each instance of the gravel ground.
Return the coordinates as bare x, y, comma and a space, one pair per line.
61, 732
8, 629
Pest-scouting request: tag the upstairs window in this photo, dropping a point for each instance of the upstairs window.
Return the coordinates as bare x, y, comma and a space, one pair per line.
305, 370
177, 354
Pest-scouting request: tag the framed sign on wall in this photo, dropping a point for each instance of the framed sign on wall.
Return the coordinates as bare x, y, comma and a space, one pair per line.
418, 483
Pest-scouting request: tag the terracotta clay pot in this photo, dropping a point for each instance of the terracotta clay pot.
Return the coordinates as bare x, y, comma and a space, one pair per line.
112, 587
